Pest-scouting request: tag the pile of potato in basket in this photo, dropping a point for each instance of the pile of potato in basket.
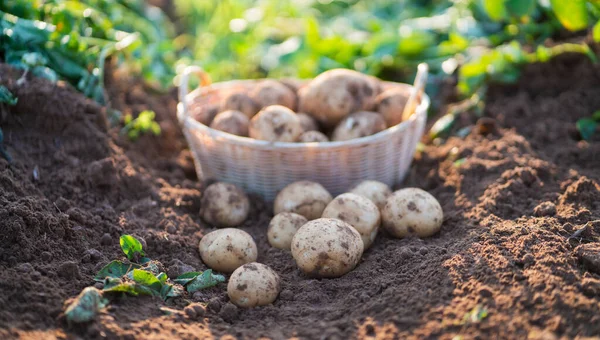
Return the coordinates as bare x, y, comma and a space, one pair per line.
337, 105
326, 236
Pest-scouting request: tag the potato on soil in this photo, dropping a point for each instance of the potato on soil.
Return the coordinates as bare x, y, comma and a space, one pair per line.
305, 198
275, 123
327, 247
308, 123
391, 103
312, 137
359, 124
253, 284
412, 211
334, 94
271, 92
225, 250
224, 205
358, 211
376, 191
240, 102
231, 121
282, 229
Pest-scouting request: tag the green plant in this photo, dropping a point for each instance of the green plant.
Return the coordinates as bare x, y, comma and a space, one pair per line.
587, 126
142, 124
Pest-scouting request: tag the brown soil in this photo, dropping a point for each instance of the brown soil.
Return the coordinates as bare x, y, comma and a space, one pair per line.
526, 185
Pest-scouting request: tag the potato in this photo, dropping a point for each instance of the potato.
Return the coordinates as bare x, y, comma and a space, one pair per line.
376, 191
412, 211
275, 123
282, 229
240, 102
334, 94
225, 250
327, 247
203, 113
308, 123
362, 214
231, 121
391, 103
305, 198
312, 136
224, 205
359, 124
253, 284
271, 92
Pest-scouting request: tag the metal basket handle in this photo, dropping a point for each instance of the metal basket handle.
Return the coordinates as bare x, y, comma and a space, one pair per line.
183, 87
416, 91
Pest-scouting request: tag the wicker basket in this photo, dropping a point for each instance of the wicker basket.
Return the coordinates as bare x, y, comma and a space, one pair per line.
264, 167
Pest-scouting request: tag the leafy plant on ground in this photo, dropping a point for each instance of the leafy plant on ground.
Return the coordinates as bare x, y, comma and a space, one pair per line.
142, 124
6, 98
587, 126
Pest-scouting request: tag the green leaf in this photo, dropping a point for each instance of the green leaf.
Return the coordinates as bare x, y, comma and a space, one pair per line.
586, 127
110, 282
520, 8
185, 278
162, 277
572, 14
115, 269
131, 288
169, 290
146, 278
7, 97
476, 315
130, 246
86, 306
495, 9
596, 116
206, 280
596, 32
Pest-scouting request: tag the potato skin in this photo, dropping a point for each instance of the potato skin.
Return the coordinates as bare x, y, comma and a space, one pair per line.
275, 123
412, 211
307, 122
334, 94
225, 250
203, 113
282, 229
391, 103
305, 198
359, 212
224, 205
376, 191
312, 137
271, 92
240, 102
253, 284
231, 121
359, 124
327, 247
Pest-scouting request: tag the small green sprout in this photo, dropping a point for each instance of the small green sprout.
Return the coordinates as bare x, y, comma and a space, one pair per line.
144, 123
587, 126
131, 246
476, 315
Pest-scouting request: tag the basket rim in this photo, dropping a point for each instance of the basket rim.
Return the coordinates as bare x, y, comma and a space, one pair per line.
185, 119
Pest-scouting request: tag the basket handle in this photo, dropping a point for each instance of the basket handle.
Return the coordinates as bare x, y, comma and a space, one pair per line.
183, 87
416, 92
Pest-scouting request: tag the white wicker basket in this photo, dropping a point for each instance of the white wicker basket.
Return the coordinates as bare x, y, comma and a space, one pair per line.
264, 167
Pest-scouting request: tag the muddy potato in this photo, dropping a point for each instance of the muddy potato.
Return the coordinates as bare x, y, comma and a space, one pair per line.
305, 198
334, 94
307, 122
224, 205
231, 121
359, 124
240, 102
376, 191
327, 247
225, 250
359, 212
312, 137
391, 103
253, 284
275, 123
282, 229
412, 211
271, 92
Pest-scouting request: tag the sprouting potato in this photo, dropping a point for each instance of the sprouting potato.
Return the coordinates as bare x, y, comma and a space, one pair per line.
275, 123
376, 191
224, 205
391, 103
282, 229
334, 94
305, 198
271, 92
327, 247
231, 121
359, 124
412, 211
253, 284
312, 137
240, 102
308, 123
358, 211
225, 250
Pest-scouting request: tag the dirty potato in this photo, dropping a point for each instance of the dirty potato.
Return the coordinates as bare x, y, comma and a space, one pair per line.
271, 92
359, 124
376, 191
231, 121
305, 198
412, 211
327, 247
312, 137
359, 212
240, 102
307, 122
225, 250
224, 205
282, 229
391, 103
275, 123
253, 284
203, 113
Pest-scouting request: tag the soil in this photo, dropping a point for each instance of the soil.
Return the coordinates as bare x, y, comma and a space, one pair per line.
517, 257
